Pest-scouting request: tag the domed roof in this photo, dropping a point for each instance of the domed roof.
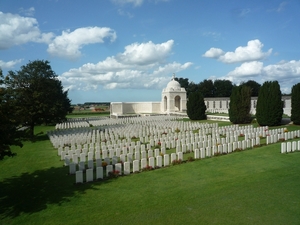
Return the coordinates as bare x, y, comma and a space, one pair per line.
173, 85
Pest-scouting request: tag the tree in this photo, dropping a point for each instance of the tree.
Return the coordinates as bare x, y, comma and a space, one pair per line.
39, 95
269, 108
222, 88
207, 88
295, 117
184, 82
196, 107
240, 104
254, 87
9, 133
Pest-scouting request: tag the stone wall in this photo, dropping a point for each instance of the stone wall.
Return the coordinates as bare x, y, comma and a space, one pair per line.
122, 108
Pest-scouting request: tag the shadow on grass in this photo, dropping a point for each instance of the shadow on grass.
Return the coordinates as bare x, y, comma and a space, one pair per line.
32, 192
40, 137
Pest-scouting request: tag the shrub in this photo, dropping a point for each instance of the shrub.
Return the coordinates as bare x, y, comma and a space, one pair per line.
240, 105
269, 108
176, 161
190, 159
147, 168
196, 107
295, 112
113, 174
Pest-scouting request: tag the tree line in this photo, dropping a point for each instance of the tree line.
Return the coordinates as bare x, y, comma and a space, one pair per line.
269, 108
31, 96
217, 88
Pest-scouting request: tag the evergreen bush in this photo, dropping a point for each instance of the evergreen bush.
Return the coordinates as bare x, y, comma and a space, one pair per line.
269, 108
240, 104
295, 112
196, 107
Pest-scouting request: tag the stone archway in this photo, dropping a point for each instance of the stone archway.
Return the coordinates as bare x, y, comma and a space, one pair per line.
177, 103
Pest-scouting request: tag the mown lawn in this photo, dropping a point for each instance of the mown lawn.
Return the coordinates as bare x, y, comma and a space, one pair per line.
257, 186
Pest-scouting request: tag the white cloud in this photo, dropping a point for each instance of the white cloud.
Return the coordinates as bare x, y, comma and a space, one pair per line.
283, 70
9, 64
279, 8
213, 53
141, 65
17, 30
125, 13
27, 12
251, 52
69, 44
247, 69
286, 73
145, 53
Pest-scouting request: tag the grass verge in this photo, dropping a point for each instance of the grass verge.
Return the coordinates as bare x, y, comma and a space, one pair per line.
258, 186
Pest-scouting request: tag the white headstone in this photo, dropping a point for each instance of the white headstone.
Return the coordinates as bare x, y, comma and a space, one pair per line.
98, 162
143, 163
118, 167
166, 159
136, 166
196, 154
109, 168
151, 162
126, 168
81, 166
89, 175
72, 168
90, 164
173, 157
283, 147
79, 177
158, 161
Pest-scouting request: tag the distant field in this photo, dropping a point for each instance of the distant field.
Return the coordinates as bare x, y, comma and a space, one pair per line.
257, 186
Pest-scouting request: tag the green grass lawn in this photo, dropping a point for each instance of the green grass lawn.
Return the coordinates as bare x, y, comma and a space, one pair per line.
257, 186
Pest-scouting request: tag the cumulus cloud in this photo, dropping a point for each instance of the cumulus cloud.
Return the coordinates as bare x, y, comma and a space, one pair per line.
141, 65
283, 70
69, 44
251, 52
145, 53
247, 69
286, 73
17, 30
9, 64
213, 53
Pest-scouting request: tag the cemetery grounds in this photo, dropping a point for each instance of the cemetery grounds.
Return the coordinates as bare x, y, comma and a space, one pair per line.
258, 185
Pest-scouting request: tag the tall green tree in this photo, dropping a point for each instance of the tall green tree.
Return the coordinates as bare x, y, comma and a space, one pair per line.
295, 117
9, 132
269, 108
222, 88
206, 87
240, 104
184, 82
196, 107
254, 87
39, 94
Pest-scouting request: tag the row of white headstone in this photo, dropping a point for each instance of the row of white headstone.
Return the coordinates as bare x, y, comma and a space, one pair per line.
60, 140
139, 151
181, 145
121, 168
290, 146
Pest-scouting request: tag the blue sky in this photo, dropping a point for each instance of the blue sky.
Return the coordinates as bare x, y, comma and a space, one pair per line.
127, 50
